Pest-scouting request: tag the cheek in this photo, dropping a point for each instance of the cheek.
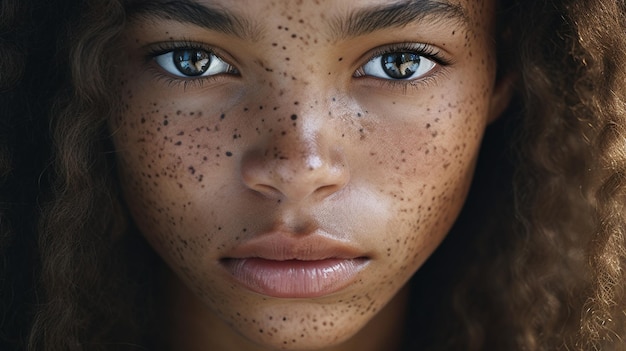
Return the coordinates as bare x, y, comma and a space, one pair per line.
178, 163
165, 164
425, 166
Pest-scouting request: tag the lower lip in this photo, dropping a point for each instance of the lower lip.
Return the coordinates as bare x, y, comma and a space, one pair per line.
295, 278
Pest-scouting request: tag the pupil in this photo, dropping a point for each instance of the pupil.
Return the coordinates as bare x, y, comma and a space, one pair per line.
400, 65
192, 62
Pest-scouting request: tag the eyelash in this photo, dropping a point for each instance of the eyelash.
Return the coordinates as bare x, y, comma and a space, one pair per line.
423, 50
158, 49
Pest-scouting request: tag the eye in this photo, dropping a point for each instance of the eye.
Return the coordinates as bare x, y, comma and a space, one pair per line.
397, 66
193, 63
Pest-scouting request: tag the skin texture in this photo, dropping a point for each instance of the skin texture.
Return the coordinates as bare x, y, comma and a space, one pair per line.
295, 143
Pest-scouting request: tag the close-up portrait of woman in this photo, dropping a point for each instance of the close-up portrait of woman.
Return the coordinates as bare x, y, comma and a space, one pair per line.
319, 175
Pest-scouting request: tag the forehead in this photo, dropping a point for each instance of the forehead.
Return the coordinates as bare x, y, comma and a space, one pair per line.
334, 18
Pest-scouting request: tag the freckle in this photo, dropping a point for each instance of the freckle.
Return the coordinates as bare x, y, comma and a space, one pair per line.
294, 36
143, 120
295, 103
287, 58
178, 143
340, 59
178, 113
165, 122
229, 154
222, 116
358, 114
274, 44
294, 117
245, 109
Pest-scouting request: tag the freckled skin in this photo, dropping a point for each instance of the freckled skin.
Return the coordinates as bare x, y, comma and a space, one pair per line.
296, 142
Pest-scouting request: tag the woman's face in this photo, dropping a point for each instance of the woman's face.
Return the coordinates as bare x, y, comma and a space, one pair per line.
294, 163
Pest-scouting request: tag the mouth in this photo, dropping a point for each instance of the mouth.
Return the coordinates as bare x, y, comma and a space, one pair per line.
283, 266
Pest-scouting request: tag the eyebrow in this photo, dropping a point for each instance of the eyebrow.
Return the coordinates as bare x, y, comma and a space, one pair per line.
188, 11
396, 15
357, 23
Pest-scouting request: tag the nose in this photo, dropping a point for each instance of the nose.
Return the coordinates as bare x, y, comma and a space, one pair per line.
304, 162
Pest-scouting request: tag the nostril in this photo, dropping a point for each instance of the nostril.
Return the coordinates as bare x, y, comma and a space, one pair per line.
309, 167
266, 190
327, 190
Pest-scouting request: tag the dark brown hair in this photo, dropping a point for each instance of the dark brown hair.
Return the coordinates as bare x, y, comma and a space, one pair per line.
552, 261
535, 262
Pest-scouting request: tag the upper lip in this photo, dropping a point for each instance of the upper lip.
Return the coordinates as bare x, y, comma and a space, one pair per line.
283, 246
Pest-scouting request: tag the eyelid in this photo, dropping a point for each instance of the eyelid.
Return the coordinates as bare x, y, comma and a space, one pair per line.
155, 50
426, 50
162, 47
440, 57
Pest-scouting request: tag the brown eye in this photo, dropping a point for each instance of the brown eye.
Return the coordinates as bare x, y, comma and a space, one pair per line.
193, 63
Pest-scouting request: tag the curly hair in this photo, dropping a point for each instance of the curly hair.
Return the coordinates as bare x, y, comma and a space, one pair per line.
81, 277
541, 236
603, 56
552, 263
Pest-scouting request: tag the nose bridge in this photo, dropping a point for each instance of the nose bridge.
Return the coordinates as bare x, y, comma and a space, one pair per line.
299, 156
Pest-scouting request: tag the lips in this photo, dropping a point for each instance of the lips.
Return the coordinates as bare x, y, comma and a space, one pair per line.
288, 266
